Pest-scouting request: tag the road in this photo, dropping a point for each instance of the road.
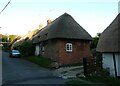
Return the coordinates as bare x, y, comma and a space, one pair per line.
19, 71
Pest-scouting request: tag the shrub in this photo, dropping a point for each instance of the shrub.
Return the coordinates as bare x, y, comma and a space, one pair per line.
26, 48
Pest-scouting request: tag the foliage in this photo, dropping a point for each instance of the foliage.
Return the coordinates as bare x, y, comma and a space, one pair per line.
12, 37
6, 38
6, 48
98, 34
43, 62
94, 80
26, 48
95, 41
105, 80
104, 73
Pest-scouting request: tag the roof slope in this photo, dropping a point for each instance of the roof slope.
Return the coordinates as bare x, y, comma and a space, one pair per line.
109, 40
62, 27
27, 37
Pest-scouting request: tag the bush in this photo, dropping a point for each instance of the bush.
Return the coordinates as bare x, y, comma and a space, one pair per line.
26, 48
6, 48
105, 73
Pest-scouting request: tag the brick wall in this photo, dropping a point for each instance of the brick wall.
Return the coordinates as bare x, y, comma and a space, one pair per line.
51, 50
56, 50
80, 49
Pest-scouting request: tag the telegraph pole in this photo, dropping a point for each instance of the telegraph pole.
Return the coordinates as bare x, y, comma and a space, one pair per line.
5, 7
0, 36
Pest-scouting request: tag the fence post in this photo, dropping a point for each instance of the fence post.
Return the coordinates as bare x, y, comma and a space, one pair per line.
85, 66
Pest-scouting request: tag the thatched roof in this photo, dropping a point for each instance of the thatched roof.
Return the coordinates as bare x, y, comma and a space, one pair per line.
109, 40
62, 27
27, 37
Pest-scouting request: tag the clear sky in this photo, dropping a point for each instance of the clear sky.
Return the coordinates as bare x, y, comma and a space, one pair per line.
22, 16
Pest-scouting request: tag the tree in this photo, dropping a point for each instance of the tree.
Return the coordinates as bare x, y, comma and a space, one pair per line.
12, 37
4, 38
98, 35
95, 41
26, 48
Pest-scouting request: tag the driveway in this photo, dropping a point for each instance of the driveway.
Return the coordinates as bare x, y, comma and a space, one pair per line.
19, 71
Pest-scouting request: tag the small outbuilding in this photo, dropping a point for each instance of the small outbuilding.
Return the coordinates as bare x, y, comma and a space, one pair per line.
63, 41
109, 46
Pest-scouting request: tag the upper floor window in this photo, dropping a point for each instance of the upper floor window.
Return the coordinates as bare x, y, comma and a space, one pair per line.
69, 47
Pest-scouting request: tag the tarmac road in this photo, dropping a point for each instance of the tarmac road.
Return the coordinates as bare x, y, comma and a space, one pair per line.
19, 71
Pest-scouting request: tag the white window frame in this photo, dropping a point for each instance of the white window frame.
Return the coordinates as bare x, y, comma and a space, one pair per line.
69, 47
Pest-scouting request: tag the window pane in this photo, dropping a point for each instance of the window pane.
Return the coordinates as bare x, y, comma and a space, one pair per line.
69, 47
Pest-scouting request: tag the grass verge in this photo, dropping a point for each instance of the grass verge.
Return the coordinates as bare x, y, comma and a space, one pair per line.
105, 80
0, 47
76, 83
95, 80
43, 62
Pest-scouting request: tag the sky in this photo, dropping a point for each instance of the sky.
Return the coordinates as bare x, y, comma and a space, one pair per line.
21, 16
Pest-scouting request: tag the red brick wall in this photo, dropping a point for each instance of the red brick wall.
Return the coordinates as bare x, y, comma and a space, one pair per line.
80, 49
56, 50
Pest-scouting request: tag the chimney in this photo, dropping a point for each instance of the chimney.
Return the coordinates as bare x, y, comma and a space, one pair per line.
40, 26
48, 21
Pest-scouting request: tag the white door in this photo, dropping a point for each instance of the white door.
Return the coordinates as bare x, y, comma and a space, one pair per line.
37, 50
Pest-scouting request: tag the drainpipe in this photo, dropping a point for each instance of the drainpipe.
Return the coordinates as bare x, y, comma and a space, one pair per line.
115, 64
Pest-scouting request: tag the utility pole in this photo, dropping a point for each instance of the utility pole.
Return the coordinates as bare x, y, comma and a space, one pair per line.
1, 35
5, 7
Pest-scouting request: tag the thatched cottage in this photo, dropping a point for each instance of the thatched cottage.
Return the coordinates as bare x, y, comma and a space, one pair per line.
108, 45
27, 37
63, 40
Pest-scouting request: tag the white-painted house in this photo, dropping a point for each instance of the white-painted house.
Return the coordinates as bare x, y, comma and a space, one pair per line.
108, 62
108, 45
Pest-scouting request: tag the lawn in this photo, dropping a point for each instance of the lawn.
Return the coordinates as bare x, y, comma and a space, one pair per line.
43, 62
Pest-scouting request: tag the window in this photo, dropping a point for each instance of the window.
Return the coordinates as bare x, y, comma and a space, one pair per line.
69, 47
